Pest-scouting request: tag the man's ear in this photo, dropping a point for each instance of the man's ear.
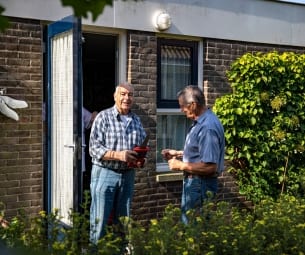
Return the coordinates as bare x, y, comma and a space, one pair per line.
193, 107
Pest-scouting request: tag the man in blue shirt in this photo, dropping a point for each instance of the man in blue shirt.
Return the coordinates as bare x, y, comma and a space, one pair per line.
114, 133
203, 153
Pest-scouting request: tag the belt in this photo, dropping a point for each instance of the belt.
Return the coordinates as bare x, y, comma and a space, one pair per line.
191, 176
119, 170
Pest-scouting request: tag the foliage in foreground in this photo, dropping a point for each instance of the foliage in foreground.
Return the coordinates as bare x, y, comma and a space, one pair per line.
270, 228
264, 122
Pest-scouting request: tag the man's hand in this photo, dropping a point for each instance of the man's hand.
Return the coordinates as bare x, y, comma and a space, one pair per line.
175, 164
169, 154
140, 163
127, 156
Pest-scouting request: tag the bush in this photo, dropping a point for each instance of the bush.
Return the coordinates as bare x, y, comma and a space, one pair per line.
271, 228
264, 124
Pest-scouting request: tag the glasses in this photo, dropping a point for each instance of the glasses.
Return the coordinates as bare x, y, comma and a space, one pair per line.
185, 105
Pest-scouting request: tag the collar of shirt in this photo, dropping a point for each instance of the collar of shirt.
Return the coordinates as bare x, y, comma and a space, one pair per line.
117, 114
203, 116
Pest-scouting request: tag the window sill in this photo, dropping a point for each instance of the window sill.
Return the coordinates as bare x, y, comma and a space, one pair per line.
169, 177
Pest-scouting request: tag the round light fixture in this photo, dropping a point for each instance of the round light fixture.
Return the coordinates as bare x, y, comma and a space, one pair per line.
162, 20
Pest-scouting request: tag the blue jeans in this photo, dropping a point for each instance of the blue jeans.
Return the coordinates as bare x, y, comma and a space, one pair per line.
194, 193
111, 192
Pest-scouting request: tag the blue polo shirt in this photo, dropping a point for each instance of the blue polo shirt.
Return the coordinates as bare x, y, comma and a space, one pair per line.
205, 141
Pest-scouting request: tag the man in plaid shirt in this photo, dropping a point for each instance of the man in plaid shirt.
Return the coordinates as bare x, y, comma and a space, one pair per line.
114, 133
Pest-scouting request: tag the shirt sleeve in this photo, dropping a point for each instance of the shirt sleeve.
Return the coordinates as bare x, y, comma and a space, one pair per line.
209, 150
86, 118
97, 148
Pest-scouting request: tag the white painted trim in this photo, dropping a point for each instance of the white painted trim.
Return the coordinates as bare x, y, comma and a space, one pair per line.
200, 65
122, 57
172, 111
169, 177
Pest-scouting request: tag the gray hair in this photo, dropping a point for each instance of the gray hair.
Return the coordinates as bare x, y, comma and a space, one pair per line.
123, 84
190, 94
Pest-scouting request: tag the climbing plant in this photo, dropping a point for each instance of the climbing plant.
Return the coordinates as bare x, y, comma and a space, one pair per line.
264, 122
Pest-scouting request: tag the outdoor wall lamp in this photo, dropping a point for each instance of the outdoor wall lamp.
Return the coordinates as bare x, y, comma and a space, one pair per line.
162, 20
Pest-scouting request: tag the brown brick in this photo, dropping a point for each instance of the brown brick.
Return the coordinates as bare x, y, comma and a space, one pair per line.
18, 205
18, 176
30, 182
9, 198
19, 162
18, 190
29, 196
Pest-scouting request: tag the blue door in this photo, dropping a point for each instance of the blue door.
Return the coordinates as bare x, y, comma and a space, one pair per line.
64, 116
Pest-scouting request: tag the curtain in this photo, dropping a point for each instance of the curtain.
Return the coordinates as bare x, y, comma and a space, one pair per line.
171, 133
175, 70
62, 125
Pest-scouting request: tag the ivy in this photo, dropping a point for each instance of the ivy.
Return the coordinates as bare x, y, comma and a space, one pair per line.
264, 122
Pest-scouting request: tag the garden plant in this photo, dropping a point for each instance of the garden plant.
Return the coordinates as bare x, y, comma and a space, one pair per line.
264, 122
271, 228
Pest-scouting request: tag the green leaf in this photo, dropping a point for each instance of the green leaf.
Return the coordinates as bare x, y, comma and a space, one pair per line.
281, 69
81, 8
265, 79
239, 111
288, 93
4, 22
253, 121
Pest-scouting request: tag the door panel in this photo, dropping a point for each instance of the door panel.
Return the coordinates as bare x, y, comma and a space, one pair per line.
64, 116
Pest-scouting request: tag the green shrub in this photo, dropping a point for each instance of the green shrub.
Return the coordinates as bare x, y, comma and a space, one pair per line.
271, 228
264, 122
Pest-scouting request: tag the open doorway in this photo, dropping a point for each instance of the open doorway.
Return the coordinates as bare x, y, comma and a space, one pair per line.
99, 80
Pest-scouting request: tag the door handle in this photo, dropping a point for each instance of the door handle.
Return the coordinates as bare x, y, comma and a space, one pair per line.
69, 146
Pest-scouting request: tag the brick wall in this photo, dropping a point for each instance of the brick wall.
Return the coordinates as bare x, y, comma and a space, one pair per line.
21, 169
152, 197
21, 141
142, 72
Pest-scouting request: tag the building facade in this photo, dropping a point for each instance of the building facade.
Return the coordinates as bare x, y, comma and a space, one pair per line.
193, 43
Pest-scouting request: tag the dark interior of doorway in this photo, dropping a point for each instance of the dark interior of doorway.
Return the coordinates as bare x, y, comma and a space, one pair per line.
99, 77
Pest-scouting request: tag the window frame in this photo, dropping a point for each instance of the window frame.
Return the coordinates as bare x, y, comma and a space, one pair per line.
193, 45
171, 107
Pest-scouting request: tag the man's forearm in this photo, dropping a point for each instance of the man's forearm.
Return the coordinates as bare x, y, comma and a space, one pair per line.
125, 155
113, 155
199, 168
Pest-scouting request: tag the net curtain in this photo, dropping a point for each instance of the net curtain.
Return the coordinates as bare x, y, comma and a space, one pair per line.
62, 125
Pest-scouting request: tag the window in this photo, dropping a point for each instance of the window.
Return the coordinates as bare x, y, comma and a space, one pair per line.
177, 67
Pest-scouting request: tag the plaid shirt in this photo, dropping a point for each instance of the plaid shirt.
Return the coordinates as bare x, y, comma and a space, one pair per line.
109, 133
